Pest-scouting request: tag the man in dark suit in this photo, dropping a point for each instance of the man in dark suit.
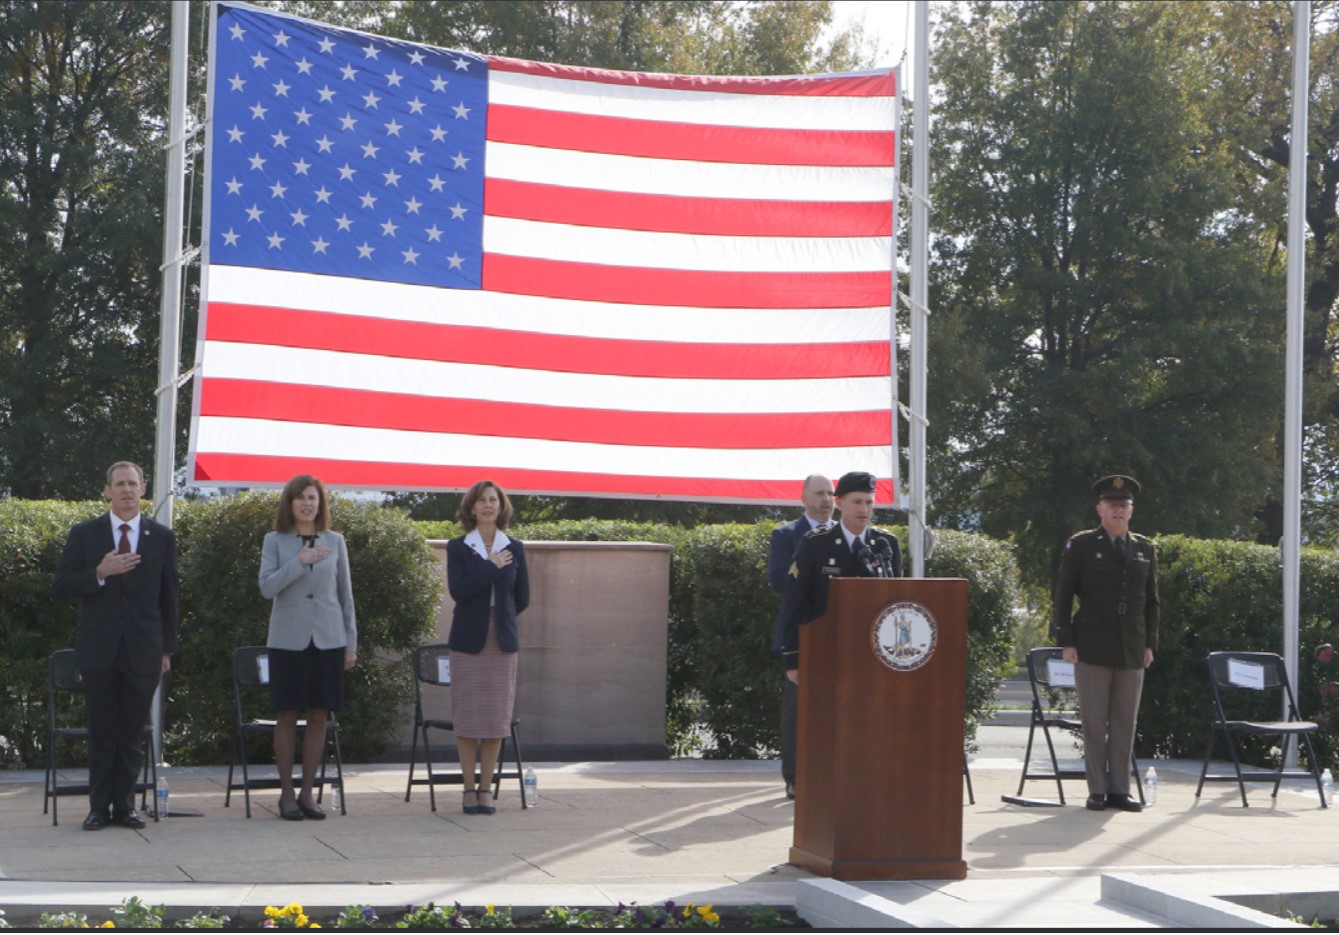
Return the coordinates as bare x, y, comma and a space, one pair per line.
848, 549
122, 567
817, 498
1110, 640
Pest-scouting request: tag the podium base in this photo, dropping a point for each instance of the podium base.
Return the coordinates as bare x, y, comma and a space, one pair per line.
888, 869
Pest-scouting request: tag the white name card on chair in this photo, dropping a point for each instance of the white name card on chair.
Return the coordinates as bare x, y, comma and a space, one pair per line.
1060, 672
444, 669
1246, 674
263, 668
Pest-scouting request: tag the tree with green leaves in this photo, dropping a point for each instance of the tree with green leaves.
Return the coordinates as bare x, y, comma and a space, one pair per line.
1250, 94
83, 94
754, 37
1100, 304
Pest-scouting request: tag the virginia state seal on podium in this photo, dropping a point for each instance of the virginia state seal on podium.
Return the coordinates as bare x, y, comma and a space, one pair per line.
904, 636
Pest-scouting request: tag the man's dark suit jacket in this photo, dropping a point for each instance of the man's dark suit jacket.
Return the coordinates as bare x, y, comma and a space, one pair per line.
471, 579
821, 557
139, 608
781, 551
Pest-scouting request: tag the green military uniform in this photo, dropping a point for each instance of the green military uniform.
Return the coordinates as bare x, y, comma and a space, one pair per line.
1118, 600
1115, 578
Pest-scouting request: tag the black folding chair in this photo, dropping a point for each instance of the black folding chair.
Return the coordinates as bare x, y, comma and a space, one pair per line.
1055, 706
1249, 692
66, 719
432, 669
251, 679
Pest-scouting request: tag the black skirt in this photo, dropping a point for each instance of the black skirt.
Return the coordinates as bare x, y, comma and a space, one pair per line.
310, 678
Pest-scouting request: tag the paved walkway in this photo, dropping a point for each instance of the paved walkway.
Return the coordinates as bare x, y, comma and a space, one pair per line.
691, 830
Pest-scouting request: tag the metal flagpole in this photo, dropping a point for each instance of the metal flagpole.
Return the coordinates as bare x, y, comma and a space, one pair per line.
169, 310
918, 534
1292, 418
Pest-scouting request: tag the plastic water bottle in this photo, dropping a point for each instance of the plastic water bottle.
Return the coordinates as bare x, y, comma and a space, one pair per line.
337, 796
1151, 787
160, 798
1327, 786
531, 783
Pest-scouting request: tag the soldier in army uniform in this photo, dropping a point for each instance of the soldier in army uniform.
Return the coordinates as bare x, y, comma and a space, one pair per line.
848, 549
1110, 640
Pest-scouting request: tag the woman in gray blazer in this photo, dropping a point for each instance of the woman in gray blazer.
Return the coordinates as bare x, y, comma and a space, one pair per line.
313, 638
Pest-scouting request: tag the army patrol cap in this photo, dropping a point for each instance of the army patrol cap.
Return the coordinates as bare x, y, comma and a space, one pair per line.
855, 482
1116, 487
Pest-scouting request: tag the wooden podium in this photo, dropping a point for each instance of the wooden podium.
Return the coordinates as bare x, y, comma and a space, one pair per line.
883, 696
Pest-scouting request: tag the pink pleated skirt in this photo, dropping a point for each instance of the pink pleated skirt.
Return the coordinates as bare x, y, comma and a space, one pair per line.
483, 690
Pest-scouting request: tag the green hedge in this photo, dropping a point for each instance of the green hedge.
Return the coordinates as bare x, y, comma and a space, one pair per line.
734, 611
1220, 595
32, 625
396, 589
723, 683
994, 597
396, 585
729, 646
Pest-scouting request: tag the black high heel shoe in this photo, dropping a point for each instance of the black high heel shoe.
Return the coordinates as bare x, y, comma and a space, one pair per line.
488, 809
469, 809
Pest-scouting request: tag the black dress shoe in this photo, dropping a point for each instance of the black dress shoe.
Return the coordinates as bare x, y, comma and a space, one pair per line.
95, 821
1124, 803
290, 814
1096, 803
129, 819
312, 812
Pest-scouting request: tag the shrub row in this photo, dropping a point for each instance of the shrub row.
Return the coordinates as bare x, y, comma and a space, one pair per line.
1220, 595
395, 581
723, 682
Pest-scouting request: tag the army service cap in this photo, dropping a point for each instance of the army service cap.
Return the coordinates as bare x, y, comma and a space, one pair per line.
855, 482
1116, 487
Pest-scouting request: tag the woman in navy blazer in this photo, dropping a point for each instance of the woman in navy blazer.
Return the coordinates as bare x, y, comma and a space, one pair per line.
488, 580
313, 638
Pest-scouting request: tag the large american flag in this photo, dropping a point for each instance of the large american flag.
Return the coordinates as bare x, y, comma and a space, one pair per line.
424, 267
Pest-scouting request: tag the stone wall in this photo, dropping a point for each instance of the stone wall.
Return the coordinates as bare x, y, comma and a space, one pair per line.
594, 644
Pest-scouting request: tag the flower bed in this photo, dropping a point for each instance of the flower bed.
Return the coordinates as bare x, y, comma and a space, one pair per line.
135, 914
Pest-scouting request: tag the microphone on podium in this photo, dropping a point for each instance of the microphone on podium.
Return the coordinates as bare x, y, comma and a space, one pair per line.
883, 551
867, 559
